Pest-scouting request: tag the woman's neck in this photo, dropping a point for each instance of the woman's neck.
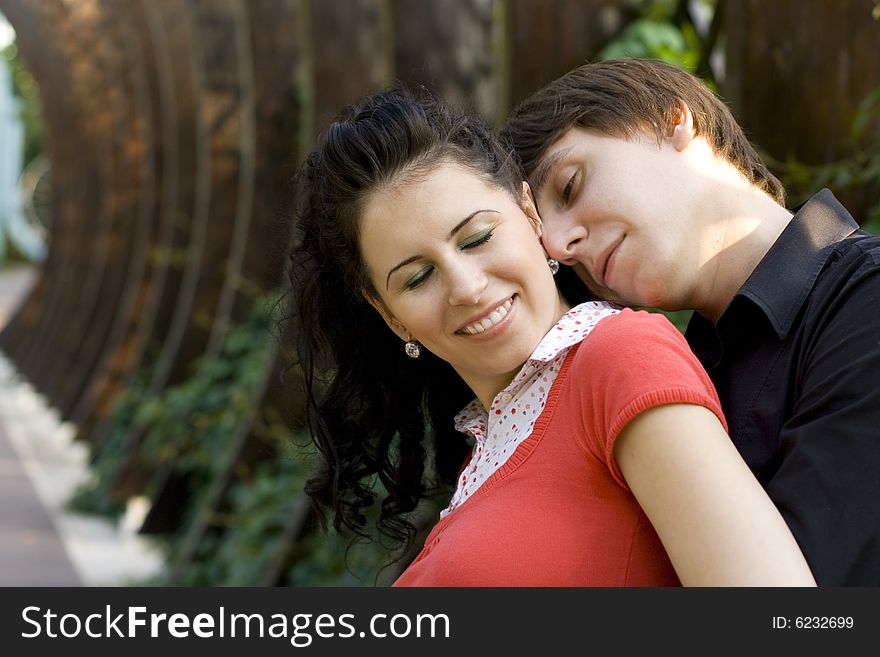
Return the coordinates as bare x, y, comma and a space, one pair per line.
486, 388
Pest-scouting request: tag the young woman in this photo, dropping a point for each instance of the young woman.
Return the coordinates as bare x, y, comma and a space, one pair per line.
429, 316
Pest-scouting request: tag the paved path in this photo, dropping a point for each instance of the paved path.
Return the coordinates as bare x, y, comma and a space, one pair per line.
31, 550
41, 542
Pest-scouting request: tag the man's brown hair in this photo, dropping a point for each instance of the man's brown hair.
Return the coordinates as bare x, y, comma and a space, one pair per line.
626, 98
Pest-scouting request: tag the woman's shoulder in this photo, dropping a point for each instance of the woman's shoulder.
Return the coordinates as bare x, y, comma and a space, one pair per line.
635, 350
632, 361
636, 331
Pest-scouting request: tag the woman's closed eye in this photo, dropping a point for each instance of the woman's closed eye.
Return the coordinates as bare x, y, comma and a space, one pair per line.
472, 242
477, 240
418, 278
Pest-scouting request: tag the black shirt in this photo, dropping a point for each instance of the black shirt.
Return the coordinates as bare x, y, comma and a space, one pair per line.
796, 360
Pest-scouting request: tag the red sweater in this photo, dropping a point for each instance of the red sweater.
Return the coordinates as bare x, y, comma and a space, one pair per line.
559, 512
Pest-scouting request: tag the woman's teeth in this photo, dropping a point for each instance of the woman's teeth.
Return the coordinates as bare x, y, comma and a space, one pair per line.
493, 318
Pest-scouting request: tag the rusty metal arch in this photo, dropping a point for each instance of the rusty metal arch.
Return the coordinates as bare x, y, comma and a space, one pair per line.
173, 129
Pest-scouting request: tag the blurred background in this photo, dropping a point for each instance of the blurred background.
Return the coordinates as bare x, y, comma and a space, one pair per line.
146, 150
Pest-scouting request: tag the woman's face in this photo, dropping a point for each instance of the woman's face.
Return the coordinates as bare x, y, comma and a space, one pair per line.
458, 266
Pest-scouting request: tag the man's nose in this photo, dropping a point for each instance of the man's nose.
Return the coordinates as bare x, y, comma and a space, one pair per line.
562, 240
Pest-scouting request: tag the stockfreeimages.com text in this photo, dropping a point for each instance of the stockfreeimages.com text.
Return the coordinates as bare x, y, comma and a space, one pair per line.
300, 629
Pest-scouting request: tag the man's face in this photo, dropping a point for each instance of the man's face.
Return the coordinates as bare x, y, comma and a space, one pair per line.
619, 212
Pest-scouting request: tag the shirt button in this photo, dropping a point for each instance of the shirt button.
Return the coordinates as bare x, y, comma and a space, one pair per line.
505, 398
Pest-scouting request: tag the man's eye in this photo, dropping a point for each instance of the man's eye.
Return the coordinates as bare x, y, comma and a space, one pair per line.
420, 277
482, 238
566, 191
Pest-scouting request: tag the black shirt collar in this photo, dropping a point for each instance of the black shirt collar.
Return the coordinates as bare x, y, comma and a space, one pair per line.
784, 277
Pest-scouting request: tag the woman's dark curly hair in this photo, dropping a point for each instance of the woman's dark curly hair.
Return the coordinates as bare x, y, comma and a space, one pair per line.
373, 411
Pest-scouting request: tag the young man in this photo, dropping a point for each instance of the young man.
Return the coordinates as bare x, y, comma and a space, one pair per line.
650, 190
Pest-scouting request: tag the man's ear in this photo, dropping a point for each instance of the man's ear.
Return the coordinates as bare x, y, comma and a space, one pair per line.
530, 209
398, 328
683, 132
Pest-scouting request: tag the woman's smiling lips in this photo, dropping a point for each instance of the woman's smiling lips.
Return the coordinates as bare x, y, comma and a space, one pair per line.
488, 321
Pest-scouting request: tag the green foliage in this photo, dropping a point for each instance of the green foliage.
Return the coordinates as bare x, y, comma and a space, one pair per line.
268, 532
191, 428
860, 170
187, 427
110, 454
190, 425
647, 38
679, 318
248, 540
659, 32
24, 87
258, 529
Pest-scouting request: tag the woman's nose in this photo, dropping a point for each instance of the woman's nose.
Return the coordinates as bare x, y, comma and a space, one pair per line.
467, 281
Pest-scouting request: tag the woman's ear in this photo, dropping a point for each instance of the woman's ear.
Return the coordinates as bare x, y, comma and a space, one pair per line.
398, 328
683, 132
530, 208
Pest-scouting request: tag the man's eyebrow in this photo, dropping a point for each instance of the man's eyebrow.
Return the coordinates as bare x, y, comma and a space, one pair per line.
546, 168
461, 224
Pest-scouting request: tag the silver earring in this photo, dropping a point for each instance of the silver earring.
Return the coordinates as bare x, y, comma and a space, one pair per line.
412, 349
554, 265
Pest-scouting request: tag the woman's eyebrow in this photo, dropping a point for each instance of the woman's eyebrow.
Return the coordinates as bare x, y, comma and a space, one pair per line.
404, 263
464, 221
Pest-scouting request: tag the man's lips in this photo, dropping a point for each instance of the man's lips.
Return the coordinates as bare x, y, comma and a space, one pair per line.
600, 274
